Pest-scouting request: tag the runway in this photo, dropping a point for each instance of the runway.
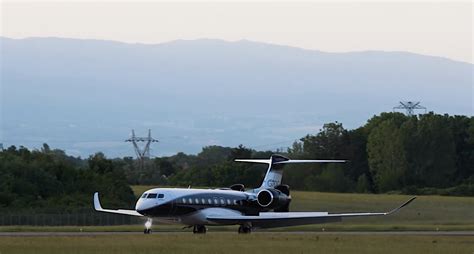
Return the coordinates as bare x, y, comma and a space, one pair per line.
365, 233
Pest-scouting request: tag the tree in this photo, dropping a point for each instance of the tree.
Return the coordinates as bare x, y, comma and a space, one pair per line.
99, 163
435, 155
462, 129
328, 143
39, 179
386, 156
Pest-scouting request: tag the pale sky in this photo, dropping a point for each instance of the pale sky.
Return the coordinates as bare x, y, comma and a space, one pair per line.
433, 28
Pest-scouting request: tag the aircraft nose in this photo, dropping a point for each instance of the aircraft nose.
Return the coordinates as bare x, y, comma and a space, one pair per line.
143, 206
139, 206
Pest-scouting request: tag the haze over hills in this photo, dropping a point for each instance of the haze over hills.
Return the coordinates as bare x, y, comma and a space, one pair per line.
86, 95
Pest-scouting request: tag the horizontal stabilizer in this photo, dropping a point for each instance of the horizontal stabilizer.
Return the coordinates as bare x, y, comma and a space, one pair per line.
266, 161
309, 161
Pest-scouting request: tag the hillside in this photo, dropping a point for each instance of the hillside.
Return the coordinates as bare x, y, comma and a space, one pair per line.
86, 95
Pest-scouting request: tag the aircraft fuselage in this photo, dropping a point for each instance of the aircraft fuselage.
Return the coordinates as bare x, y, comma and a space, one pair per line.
192, 206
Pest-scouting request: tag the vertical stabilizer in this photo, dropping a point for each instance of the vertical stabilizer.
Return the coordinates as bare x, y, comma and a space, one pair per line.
274, 172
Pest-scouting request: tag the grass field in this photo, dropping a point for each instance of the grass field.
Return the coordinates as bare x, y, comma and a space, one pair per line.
233, 243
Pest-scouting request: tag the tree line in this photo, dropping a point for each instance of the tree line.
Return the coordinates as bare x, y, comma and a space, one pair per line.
425, 154
48, 179
392, 152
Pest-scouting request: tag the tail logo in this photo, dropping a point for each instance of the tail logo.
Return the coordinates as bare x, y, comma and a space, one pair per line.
272, 183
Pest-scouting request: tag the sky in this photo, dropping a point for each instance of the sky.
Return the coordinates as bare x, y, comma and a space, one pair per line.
436, 28
431, 28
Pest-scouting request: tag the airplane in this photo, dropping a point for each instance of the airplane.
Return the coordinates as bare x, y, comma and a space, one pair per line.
263, 207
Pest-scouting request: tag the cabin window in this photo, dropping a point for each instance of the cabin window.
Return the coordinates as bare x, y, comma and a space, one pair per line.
151, 195
161, 195
196, 200
209, 201
235, 202
203, 201
222, 201
216, 202
144, 195
228, 202
184, 201
190, 200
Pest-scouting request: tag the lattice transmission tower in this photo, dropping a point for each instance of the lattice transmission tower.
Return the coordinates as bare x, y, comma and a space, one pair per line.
142, 153
409, 107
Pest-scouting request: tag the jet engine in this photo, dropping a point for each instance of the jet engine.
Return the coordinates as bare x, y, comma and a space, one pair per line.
272, 199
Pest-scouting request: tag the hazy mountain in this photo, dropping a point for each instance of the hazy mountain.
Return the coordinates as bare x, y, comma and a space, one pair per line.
86, 95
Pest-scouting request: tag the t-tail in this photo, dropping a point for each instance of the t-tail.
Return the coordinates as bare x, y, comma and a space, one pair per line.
275, 167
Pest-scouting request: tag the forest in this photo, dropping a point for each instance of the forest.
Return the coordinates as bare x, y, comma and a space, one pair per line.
428, 154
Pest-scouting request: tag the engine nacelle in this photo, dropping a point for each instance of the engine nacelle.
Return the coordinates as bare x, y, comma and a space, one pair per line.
272, 199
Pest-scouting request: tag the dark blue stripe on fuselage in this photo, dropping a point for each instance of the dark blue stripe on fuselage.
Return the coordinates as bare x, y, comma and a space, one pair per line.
180, 207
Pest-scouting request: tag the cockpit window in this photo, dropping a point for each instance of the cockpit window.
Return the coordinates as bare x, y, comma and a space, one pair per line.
152, 195
161, 195
144, 195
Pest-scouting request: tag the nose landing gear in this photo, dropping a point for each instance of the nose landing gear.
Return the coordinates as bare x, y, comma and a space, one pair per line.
199, 229
148, 224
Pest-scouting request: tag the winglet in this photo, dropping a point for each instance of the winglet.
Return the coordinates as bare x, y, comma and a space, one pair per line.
99, 208
97, 205
400, 207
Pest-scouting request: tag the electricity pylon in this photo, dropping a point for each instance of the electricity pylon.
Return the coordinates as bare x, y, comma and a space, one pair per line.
142, 154
409, 107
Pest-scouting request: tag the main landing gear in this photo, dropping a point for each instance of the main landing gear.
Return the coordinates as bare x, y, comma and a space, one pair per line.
148, 224
199, 229
245, 229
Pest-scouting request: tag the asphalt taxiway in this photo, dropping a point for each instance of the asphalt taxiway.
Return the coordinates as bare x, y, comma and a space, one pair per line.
75, 234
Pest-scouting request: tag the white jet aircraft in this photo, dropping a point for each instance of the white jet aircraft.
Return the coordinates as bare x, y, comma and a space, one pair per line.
263, 207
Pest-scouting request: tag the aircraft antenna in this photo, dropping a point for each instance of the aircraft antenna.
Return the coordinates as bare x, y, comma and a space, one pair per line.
409, 107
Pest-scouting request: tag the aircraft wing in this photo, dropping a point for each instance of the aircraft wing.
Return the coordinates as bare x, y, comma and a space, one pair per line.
99, 208
284, 219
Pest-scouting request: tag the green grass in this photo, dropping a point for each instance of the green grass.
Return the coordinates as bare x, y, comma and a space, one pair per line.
234, 243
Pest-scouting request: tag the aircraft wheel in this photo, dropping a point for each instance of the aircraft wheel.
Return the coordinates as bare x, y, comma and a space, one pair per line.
245, 229
147, 231
199, 229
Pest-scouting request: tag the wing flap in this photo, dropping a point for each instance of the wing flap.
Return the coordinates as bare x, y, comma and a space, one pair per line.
99, 208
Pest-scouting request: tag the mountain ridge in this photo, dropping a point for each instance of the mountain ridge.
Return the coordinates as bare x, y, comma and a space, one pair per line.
71, 92
177, 41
